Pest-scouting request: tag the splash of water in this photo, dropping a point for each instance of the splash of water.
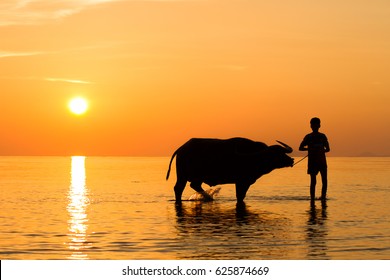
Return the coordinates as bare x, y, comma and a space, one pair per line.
208, 195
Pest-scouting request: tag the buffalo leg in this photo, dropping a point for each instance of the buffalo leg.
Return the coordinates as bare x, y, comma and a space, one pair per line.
197, 186
179, 188
241, 190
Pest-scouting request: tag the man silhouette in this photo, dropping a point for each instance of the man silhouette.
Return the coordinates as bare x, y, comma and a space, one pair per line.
316, 143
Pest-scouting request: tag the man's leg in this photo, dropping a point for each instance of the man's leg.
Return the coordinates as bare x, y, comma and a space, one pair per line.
324, 177
313, 182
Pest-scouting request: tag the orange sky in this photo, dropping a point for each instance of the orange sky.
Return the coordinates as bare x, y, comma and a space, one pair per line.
157, 73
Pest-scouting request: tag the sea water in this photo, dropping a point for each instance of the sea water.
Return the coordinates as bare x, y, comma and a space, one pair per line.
123, 208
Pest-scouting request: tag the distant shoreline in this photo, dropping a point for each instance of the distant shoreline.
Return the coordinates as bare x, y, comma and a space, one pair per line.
161, 156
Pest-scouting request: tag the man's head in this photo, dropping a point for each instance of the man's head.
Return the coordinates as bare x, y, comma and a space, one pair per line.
315, 124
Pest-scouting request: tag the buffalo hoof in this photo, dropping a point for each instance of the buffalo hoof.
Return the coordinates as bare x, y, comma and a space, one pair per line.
207, 197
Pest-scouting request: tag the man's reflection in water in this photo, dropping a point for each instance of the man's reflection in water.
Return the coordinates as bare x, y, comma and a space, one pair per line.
316, 232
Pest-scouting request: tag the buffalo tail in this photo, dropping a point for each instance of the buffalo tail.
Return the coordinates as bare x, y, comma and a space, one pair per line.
170, 163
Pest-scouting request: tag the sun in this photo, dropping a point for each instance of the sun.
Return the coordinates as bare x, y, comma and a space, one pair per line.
78, 105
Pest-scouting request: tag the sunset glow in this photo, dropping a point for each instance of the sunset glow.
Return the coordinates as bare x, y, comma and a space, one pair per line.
161, 72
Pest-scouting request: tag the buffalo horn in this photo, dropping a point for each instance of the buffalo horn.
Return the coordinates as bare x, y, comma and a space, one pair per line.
287, 147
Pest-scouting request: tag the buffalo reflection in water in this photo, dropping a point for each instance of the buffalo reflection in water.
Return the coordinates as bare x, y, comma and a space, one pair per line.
216, 231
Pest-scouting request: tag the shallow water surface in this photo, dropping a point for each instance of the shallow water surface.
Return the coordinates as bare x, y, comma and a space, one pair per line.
122, 208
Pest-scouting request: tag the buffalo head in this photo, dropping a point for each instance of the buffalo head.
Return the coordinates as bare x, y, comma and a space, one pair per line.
280, 158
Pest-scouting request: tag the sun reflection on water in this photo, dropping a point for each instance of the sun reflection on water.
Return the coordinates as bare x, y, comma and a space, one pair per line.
77, 210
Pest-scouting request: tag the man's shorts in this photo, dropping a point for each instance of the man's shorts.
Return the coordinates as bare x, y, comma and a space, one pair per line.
313, 170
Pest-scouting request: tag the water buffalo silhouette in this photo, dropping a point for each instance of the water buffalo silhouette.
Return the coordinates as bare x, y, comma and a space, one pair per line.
238, 161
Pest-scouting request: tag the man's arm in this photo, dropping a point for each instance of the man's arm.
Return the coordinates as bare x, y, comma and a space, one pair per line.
303, 146
326, 146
